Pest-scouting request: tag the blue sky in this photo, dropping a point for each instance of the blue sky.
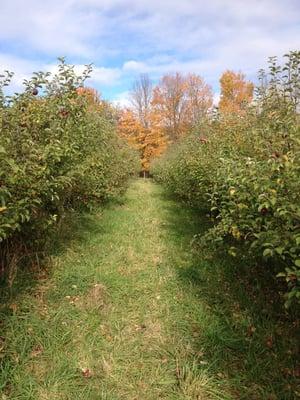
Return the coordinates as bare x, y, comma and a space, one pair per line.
124, 38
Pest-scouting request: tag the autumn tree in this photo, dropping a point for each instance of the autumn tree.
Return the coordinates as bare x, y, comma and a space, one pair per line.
182, 102
161, 115
148, 141
141, 125
91, 95
169, 98
200, 98
236, 92
97, 104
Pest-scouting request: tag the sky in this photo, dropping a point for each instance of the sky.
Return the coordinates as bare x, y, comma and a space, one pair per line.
124, 38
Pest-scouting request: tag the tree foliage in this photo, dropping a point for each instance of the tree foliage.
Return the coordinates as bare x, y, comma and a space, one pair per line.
147, 139
182, 101
163, 114
59, 151
236, 92
246, 173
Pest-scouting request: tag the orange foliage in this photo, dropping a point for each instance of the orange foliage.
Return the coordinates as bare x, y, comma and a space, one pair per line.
164, 114
170, 102
236, 92
91, 95
150, 142
200, 98
182, 102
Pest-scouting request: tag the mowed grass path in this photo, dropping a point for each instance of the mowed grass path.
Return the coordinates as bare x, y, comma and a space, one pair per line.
130, 312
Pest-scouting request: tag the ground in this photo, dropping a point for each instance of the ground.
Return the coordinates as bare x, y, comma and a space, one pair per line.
129, 311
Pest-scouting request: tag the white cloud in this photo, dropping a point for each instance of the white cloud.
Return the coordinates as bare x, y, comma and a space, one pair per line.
87, 27
126, 37
51, 27
122, 99
105, 76
135, 66
24, 68
21, 68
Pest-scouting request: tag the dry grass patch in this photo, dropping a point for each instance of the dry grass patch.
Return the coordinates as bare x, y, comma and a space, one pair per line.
38, 367
95, 299
50, 394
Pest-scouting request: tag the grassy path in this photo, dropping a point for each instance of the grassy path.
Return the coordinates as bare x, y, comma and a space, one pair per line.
125, 315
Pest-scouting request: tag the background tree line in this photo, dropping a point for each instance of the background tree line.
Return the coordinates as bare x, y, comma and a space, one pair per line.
162, 114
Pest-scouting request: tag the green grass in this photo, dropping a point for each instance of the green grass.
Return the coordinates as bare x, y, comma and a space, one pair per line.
130, 311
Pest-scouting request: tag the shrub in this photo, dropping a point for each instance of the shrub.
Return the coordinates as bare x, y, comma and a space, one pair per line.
56, 153
245, 170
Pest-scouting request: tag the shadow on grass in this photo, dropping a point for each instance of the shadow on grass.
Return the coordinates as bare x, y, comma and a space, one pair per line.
74, 229
247, 334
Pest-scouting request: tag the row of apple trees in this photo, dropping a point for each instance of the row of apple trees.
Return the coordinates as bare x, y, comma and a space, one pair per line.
244, 169
59, 151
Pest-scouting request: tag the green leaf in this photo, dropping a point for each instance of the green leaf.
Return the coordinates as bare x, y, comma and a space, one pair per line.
279, 250
267, 252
